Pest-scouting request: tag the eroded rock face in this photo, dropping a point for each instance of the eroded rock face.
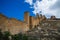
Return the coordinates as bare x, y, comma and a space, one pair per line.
46, 30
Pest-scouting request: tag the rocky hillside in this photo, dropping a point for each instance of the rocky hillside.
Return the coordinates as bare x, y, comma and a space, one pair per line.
45, 30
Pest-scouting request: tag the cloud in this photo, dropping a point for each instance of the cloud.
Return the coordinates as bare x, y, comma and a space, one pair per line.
29, 1
56, 8
46, 7
56, 5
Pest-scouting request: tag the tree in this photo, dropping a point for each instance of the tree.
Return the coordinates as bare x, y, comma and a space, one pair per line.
24, 37
6, 35
19, 37
1, 35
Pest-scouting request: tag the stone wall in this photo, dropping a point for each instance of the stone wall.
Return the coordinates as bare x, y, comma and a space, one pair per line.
15, 26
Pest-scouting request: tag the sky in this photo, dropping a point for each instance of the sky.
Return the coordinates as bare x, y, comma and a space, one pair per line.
16, 8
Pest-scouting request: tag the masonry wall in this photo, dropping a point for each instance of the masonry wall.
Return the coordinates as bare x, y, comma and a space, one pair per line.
13, 25
2, 21
34, 21
16, 26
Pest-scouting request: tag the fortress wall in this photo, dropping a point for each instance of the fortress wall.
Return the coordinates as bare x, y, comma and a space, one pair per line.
2, 21
13, 25
35, 22
32, 21
16, 26
38, 20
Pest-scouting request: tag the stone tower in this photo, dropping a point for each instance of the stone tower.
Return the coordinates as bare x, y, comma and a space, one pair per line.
30, 22
37, 15
43, 17
26, 18
40, 15
53, 17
